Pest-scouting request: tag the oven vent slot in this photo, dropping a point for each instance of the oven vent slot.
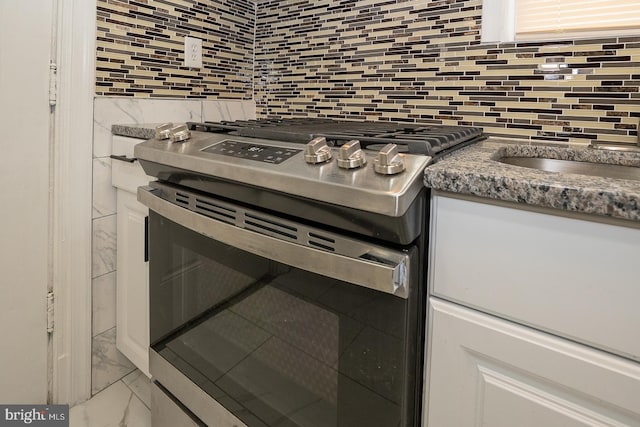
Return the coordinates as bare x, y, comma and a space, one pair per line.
216, 211
253, 221
270, 227
182, 199
321, 242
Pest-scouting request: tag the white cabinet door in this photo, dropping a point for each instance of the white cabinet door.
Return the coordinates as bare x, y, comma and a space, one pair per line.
132, 292
485, 371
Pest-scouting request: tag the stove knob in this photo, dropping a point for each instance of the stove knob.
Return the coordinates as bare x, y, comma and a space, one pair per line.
388, 161
351, 155
317, 151
179, 133
162, 131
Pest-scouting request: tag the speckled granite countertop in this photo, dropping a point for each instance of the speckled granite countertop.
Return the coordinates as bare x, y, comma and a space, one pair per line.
141, 131
475, 171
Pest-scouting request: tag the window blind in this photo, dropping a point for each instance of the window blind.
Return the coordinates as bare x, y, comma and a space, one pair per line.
553, 19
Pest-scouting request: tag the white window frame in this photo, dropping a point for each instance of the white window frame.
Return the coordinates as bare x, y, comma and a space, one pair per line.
499, 25
498, 21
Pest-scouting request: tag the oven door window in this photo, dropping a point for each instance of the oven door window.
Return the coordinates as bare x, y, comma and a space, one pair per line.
276, 345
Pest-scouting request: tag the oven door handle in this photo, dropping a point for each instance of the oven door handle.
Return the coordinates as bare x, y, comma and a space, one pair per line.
376, 268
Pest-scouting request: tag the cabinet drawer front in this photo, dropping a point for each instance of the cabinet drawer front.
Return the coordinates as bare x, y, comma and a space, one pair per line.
574, 278
486, 371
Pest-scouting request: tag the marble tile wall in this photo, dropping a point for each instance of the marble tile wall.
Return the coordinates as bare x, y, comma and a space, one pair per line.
140, 78
423, 61
108, 364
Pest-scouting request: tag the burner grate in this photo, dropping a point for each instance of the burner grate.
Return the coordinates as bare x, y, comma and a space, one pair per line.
415, 139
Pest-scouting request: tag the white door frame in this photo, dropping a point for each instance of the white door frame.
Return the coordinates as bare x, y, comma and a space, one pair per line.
72, 201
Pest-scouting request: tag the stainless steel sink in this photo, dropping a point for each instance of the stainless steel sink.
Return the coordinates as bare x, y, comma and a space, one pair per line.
571, 166
616, 147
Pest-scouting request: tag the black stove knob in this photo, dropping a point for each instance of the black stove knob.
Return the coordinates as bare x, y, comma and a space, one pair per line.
351, 155
388, 161
317, 151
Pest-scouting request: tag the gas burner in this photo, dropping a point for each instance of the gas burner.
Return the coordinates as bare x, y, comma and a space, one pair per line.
431, 140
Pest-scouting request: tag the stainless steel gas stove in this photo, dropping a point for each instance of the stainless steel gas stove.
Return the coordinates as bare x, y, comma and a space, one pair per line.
288, 270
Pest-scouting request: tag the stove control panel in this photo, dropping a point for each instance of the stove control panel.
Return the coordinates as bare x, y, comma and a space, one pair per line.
280, 166
257, 152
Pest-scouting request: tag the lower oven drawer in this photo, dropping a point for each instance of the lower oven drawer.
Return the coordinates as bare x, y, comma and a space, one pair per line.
167, 412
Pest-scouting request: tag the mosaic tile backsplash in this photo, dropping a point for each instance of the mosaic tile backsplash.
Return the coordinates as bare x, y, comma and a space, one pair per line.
415, 61
422, 61
140, 48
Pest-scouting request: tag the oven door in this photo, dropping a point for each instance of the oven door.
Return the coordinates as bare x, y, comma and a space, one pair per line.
251, 324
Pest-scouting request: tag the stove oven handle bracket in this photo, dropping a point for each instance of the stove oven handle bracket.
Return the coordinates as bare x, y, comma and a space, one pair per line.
377, 268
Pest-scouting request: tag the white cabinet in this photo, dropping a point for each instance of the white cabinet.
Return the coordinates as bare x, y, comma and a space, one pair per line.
533, 318
132, 282
132, 275
486, 371
574, 278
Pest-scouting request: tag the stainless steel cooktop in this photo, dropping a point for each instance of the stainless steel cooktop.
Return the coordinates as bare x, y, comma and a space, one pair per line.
281, 167
370, 166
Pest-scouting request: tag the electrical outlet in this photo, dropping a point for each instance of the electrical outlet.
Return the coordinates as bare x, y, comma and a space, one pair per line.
192, 52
